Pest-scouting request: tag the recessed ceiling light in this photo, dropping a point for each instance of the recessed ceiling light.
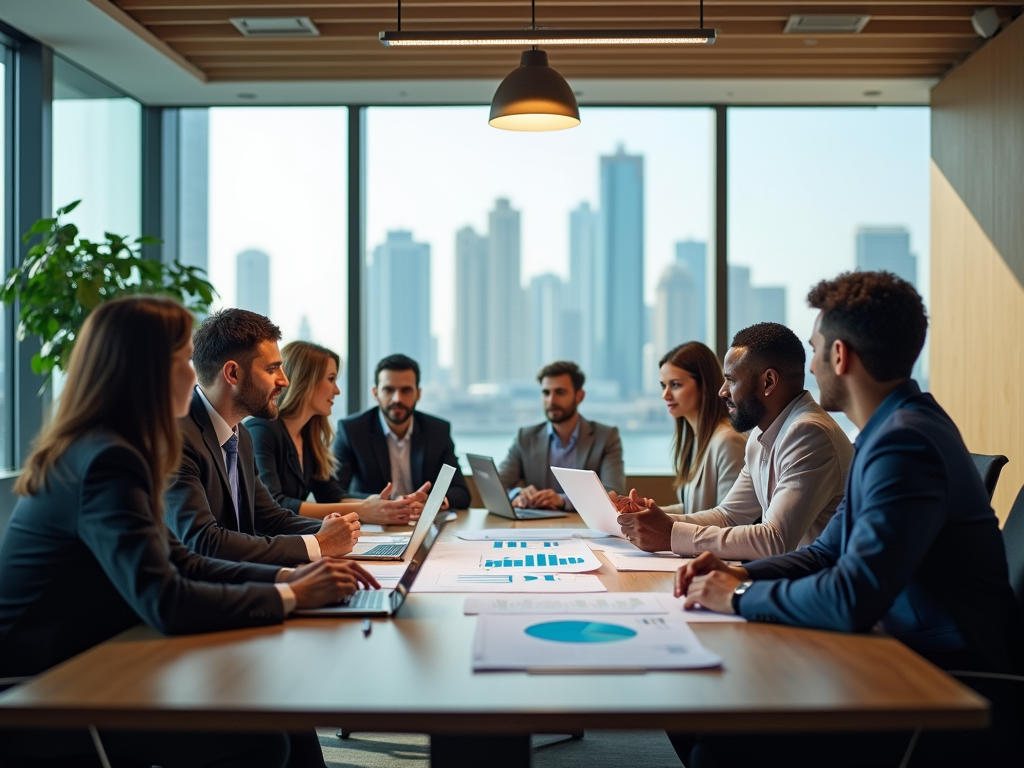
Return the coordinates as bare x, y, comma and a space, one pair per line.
276, 26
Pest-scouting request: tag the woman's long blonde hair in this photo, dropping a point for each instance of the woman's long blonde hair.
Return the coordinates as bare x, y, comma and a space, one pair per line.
700, 362
305, 364
119, 378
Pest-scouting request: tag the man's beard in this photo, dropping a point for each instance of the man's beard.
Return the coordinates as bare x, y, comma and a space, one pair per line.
564, 415
832, 395
747, 414
390, 410
255, 401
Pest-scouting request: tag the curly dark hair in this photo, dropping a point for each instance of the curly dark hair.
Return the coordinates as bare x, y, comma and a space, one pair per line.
880, 316
772, 345
231, 334
563, 368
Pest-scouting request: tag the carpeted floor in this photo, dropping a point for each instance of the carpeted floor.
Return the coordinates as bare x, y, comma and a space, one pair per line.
598, 749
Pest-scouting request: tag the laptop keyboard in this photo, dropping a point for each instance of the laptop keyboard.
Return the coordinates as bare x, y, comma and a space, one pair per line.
366, 599
387, 550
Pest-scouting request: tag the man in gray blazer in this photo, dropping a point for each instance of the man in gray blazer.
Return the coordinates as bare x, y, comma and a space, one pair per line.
566, 439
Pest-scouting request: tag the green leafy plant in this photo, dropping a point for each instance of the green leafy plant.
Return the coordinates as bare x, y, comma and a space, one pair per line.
64, 277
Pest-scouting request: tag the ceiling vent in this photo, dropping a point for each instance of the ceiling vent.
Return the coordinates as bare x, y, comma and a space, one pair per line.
276, 26
846, 24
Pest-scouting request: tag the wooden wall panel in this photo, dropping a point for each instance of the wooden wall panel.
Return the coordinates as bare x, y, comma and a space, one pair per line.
978, 253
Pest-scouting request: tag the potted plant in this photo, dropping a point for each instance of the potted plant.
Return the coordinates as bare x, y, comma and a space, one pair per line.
64, 277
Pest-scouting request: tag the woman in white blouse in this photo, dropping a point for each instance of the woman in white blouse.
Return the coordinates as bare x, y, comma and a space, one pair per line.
707, 451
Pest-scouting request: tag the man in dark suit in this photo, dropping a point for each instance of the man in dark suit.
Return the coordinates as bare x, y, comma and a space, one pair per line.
913, 548
394, 443
566, 439
217, 504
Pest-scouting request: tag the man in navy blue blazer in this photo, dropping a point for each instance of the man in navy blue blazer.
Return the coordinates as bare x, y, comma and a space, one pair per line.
914, 548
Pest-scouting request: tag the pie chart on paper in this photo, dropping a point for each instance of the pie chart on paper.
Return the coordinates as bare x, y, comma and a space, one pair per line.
580, 632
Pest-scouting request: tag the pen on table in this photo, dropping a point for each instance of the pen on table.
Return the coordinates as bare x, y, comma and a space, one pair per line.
367, 627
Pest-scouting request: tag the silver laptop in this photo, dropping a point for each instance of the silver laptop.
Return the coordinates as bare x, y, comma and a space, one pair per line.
396, 551
380, 602
495, 496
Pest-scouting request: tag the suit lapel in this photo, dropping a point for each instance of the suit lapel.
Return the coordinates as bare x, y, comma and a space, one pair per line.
537, 471
380, 445
584, 443
202, 420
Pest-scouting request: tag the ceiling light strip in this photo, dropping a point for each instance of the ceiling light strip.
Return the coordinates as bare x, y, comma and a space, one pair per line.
552, 37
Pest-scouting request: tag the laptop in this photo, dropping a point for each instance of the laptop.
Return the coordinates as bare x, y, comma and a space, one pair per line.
396, 551
584, 489
495, 496
380, 602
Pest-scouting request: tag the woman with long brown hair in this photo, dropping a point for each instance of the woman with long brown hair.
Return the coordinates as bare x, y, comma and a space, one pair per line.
293, 451
86, 554
707, 452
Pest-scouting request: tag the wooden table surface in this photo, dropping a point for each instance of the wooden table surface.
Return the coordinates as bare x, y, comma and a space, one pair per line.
414, 673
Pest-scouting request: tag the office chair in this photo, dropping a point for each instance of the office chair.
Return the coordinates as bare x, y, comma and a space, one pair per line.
1008, 688
989, 468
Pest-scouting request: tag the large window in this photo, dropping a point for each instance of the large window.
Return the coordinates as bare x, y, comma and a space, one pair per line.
6, 119
491, 253
97, 153
276, 233
815, 192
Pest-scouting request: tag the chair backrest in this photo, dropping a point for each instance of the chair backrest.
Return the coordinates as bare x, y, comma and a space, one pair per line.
989, 468
1013, 540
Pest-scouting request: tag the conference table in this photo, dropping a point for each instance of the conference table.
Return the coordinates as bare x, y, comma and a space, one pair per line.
413, 673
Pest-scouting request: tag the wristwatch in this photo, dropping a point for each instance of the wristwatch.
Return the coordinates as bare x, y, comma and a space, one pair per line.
737, 594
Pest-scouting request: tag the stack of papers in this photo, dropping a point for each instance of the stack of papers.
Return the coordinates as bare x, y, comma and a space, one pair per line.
547, 565
583, 643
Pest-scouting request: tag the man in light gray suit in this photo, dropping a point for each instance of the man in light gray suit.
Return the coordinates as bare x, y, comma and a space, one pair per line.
566, 439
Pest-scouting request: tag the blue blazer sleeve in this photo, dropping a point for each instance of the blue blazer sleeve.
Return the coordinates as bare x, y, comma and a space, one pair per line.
116, 524
899, 517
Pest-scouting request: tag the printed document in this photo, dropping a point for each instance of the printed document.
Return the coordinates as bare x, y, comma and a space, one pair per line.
587, 643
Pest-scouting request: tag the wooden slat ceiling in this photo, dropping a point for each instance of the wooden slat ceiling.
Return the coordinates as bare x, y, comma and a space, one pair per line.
911, 38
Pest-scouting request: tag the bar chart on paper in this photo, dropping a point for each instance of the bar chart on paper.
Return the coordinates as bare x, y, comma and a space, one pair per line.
510, 557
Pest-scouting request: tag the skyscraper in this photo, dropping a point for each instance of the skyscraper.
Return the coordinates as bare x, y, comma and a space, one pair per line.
676, 309
399, 288
253, 281
506, 331
694, 255
471, 320
749, 304
886, 248
619, 350
544, 306
580, 295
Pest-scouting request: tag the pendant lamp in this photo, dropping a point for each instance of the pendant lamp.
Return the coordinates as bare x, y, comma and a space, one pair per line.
534, 97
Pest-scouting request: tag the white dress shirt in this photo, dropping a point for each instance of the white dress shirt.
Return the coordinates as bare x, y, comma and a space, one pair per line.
793, 478
224, 433
400, 454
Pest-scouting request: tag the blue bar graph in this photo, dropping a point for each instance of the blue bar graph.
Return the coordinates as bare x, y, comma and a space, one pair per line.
498, 544
529, 560
542, 559
549, 577
561, 561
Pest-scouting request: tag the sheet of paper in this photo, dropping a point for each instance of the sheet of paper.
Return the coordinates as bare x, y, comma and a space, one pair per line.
616, 545
387, 574
645, 561
674, 606
610, 603
461, 581
587, 643
529, 534
513, 557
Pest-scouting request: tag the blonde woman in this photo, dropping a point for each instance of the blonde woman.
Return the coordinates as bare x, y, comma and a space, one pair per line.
293, 451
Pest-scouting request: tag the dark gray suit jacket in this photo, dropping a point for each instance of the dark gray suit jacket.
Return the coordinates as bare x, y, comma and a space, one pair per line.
598, 448
200, 511
84, 560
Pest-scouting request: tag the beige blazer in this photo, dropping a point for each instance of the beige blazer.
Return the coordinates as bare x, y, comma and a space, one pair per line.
716, 474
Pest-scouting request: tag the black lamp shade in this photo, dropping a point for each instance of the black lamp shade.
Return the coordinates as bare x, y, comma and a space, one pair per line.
534, 97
